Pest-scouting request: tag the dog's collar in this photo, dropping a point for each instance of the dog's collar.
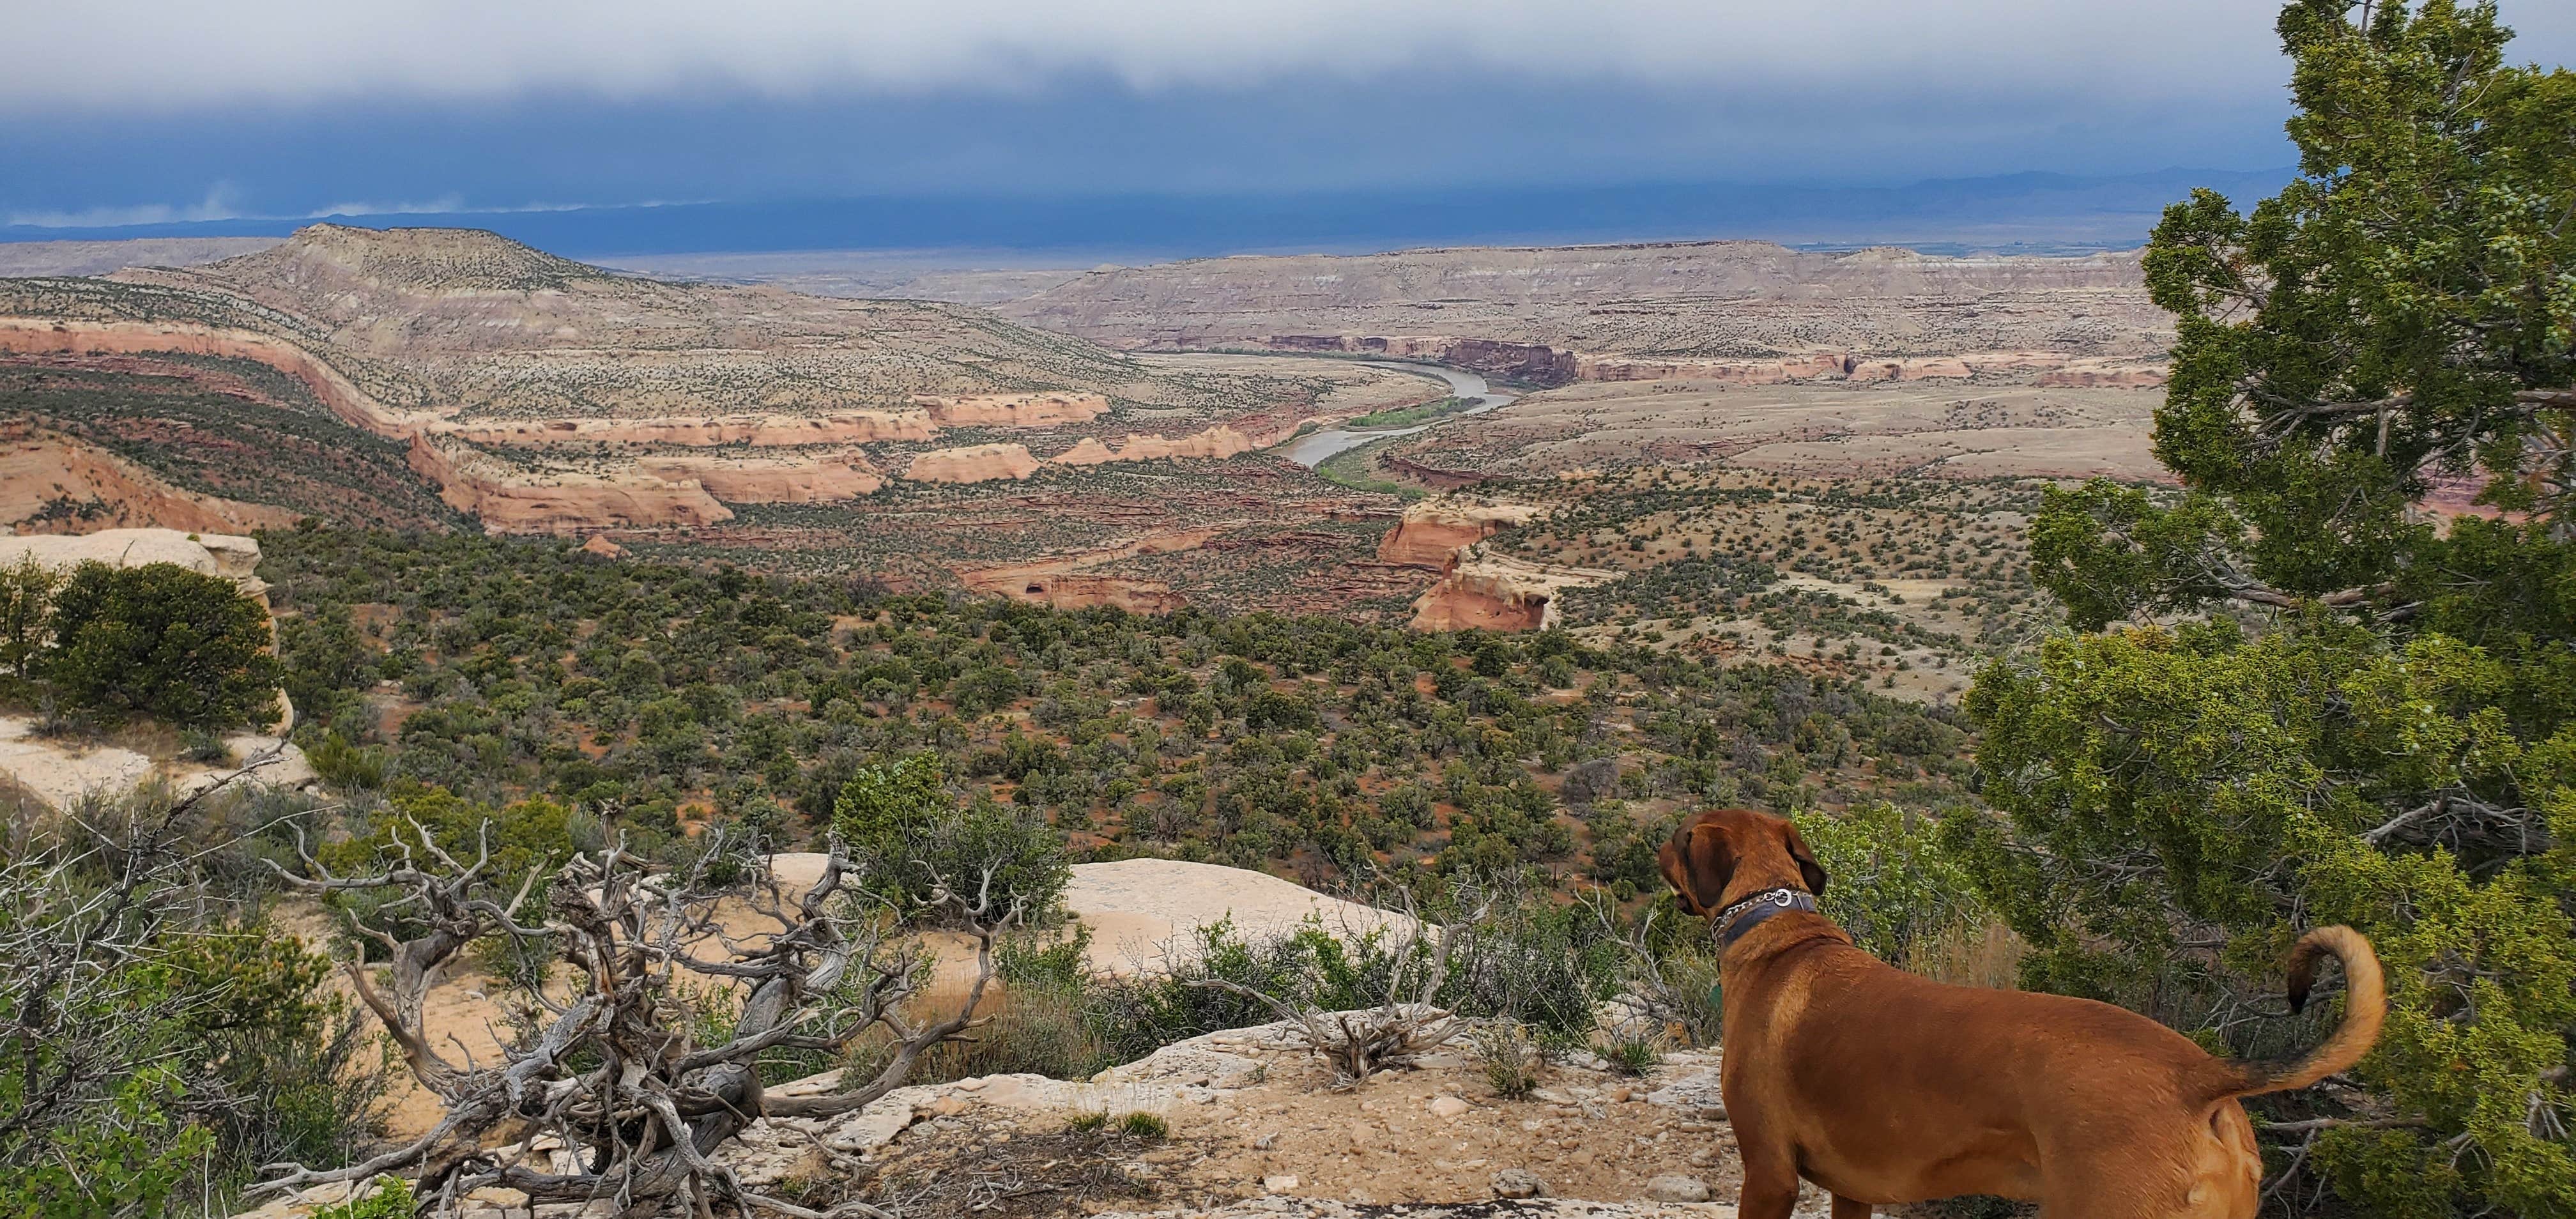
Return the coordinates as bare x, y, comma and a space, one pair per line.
1738, 920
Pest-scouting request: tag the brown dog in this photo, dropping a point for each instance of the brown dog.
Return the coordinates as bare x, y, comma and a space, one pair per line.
1882, 1086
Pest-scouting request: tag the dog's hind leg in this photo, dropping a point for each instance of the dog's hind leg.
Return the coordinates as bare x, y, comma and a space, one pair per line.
1845, 1208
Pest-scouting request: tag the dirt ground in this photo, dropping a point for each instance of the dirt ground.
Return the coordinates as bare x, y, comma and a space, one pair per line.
1250, 1116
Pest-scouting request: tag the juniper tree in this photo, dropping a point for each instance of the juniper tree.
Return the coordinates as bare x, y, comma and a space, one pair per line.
2334, 689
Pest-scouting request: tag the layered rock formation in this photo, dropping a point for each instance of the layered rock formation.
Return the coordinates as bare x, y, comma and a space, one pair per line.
772, 480
1487, 592
511, 500
525, 383
972, 464
1433, 531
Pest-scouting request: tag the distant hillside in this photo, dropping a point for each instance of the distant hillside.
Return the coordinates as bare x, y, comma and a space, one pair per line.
466, 324
25, 258
1622, 311
236, 430
537, 394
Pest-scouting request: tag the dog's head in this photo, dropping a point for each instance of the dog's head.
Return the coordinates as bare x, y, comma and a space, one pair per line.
1713, 850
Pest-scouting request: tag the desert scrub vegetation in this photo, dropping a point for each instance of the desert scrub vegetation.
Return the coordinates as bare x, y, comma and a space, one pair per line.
231, 428
160, 1037
99, 645
2286, 697
661, 699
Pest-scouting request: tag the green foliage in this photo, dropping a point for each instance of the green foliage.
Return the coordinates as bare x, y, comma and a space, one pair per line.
2395, 747
126, 1156
155, 1046
646, 696
1894, 887
908, 840
881, 809
1632, 1053
27, 591
182, 646
391, 1200
1144, 1127
2166, 787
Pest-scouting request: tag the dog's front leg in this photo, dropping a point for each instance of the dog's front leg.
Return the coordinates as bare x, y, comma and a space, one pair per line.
1770, 1187
1845, 1208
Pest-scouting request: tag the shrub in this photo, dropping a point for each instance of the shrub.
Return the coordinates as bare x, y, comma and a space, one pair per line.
1894, 888
907, 838
161, 640
1509, 1056
26, 613
154, 1047
1145, 1127
1632, 1052
391, 1200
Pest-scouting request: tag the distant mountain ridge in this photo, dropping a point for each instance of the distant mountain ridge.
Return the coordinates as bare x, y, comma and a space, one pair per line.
2027, 212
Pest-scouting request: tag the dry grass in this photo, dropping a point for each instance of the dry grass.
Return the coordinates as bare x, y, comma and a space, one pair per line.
1985, 953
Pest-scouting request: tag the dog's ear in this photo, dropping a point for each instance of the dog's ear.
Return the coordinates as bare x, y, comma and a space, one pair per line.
1808, 869
1701, 862
1676, 870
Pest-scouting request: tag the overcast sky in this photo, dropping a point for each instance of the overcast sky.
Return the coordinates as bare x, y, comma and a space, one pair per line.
115, 110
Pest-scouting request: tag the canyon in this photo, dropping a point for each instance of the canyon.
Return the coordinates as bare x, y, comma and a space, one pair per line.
1122, 436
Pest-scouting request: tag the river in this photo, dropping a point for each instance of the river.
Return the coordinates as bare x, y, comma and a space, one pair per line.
1311, 449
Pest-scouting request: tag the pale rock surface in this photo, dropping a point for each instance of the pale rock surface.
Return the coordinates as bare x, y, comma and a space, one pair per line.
1676, 1187
1697, 1090
60, 775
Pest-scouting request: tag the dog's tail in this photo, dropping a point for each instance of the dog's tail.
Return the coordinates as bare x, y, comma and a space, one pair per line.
2365, 1007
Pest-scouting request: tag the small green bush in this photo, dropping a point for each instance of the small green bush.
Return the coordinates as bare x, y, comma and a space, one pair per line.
160, 640
907, 837
1509, 1056
391, 1200
1632, 1053
1145, 1127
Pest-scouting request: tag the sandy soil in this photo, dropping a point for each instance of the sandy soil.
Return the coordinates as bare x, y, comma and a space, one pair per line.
1140, 909
1137, 910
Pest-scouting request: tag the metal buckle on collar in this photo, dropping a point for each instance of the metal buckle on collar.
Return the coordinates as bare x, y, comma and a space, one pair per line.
1737, 920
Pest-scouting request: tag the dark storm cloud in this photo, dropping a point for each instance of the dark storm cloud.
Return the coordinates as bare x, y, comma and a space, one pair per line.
125, 110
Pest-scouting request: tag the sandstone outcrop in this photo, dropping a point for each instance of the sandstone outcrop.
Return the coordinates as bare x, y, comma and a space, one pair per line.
333, 389
772, 480
839, 427
1482, 592
973, 464
234, 558
1077, 590
1217, 442
1017, 410
453, 339
51, 483
510, 500
1433, 531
